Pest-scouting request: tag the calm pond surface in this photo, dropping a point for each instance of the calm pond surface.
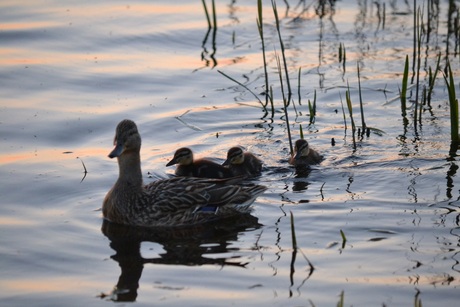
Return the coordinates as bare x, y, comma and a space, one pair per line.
71, 70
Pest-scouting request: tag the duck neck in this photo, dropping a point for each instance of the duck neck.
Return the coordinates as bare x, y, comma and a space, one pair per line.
130, 174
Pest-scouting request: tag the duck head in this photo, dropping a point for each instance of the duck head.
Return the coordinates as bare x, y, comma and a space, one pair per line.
182, 156
127, 139
235, 156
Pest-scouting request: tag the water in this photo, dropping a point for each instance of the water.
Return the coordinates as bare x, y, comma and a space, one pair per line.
70, 71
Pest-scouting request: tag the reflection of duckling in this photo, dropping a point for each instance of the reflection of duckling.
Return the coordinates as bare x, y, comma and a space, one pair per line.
169, 202
242, 163
304, 155
197, 168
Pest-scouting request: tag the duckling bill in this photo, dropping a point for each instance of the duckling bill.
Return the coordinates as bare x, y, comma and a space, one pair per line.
202, 168
169, 202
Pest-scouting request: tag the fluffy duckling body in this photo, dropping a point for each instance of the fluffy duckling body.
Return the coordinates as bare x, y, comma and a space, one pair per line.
304, 155
202, 168
243, 163
169, 202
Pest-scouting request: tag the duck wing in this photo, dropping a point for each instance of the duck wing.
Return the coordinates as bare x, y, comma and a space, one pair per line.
186, 193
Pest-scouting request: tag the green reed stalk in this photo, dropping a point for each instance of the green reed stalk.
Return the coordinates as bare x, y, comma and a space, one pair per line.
453, 105
298, 85
418, 40
285, 103
350, 109
207, 14
288, 83
296, 248
432, 78
417, 299
414, 55
344, 239
363, 123
214, 15
342, 55
403, 91
341, 302
343, 113
241, 84
272, 101
260, 27
294, 239
301, 131
85, 171
312, 109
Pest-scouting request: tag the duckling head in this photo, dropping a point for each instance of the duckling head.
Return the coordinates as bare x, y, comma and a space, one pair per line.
302, 149
235, 156
127, 139
182, 156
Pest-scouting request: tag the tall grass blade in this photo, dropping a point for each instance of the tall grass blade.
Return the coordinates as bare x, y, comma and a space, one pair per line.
286, 73
340, 53
272, 101
85, 171
285, 102
207, 14
312, 109
343, 113
350, 109
241, 84
214, 15
453, 105
294, 253
403, 93
342, 300
432, 79
294, 239
418, 40
298, 86
363, 123
344, 238
260, 27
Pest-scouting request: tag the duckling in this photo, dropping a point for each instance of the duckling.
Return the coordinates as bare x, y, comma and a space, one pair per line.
304, 155
197, 168
243, 163
168, 202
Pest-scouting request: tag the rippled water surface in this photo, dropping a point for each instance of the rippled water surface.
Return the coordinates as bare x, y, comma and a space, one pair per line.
71, 70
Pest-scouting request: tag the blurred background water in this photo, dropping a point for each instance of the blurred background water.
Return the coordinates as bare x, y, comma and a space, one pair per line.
71, 70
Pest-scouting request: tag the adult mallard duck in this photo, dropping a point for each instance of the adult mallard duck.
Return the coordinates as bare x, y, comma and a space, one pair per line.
202, 168
169, 202
243, 163
304, 155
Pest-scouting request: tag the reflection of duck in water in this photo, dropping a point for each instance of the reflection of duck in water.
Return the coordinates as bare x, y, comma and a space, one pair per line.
243, 163
168, 202
304, 155
202, 168
190, 245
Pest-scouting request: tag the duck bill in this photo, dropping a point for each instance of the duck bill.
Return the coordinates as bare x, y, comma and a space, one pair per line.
172, 162
297, 155
116, 152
